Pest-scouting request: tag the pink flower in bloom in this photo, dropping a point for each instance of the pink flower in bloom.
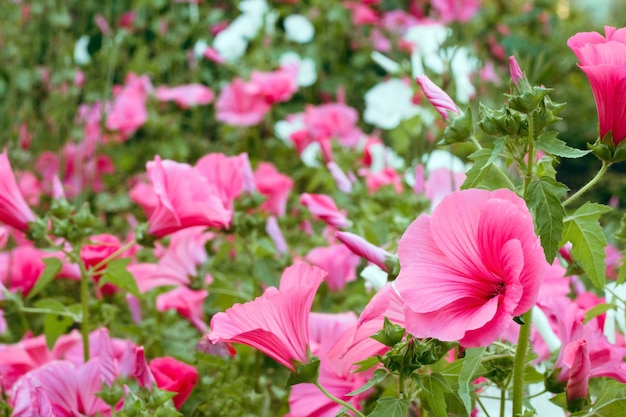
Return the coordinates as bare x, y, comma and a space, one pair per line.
338, 261
129, 111
603, 59
333, 121
324, 208
239, 105
185, 199
386, 176
277, 86
466, 273
185, 96
275, 186
187, 302
456, 10
276, 323
13, 209
174, 376
227, 173
437, 97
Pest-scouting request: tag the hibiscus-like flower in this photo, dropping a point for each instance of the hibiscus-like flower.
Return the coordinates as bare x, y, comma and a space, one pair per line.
603, 59
471, 267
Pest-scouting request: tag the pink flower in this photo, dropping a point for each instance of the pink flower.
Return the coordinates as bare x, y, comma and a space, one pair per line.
603, 59
188, 303
515, 70
437, 97
386, 176
185, 199
576, 358
277, 322
324, 208
364, 249
129, 111
456, 10
227, 173
333, 121
275, 186
99, 248
174, 376
13, 209
185, 96
466, 273
276, 86
338, 261
239, 105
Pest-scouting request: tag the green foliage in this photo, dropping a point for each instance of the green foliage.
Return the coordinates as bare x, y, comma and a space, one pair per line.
390, 407
117, 274
469, 371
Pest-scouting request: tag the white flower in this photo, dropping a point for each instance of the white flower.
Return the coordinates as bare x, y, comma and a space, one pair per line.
311, 155
230, 44
284, 128
199, 48
307, 74
298, 28
81, 54
384, 157
427, 40
443, 159
388, 103
374, 277
463, 66
385, 63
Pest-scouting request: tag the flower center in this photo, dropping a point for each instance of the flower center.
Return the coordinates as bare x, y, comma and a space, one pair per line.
499, 288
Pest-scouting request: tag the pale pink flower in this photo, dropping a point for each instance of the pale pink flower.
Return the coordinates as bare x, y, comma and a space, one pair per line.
456, 10
129, 112
239, 105
13, 208
603, 59
29, 186
324, 208
437, 97
277, 322
386, 176
188, 303
338, 261
185, 96
185, 199
344, 183
273, 231
276, 186
333, 121
466, 273
440, 183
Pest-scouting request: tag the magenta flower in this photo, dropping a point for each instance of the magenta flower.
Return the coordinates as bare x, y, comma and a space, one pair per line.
603, 59
185, 96
188, 303
277, 322
465, 273
276, 186
13, 208
576, 358
129, 111
324, 208
240, 105
456, 10
437, 97
174, 376
515, 70
185, 199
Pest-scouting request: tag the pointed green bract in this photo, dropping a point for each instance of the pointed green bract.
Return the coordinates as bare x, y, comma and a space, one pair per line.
588, 240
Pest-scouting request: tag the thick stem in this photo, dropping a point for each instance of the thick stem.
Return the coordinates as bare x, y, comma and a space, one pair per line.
84, 301
520, 363
605, 166
338, 401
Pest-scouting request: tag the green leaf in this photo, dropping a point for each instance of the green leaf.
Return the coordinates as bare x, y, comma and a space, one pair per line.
621, 276
597, 310
471, 364
54, 324
390, 407
434, 387
544, 202
611, 401
366, 364
549, 143
483, 174
305, 373
116, 274
588, 240
53, 267
379, 376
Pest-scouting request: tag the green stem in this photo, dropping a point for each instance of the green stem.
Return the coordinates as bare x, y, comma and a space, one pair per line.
331, 397
84, 301
605, 166
112, 256
502, 401
520, 363
480, 403
531, 153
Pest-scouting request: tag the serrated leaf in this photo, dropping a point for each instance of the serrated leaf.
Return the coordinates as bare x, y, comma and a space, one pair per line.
366, 364
549, 143
588, 240
483, 174
53, 267
379, 376
471, 364
544, 202
611, 401
390, 407
598, 310
117, 274
434, 387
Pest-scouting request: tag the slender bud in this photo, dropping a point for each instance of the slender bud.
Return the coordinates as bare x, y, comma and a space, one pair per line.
515, 70
437, 97
365, 249
576, 357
